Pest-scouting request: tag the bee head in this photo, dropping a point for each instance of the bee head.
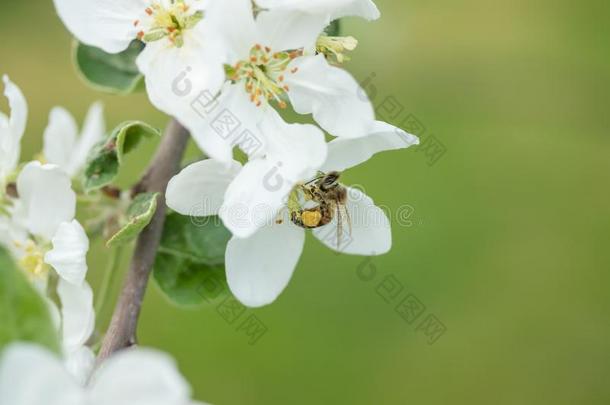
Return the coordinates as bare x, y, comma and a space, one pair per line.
329, 181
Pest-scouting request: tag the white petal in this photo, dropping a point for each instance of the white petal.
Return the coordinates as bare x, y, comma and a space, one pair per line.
78, 315
284, 29
53, 312
371, 233
30, 375
19, 108
260, 267
344, 153
69, 254
199, 189
176, 76
12, 129
298, 149
333, 9
80, 363
234, 22
106, 24
60, 138
332, 95
356, 8
255, 197
93, 131
139, 377
47, 197
231, 120
11, 232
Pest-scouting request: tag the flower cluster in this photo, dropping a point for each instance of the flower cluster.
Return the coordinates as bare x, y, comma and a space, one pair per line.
31, 375
239, 62
38, 226
256, 58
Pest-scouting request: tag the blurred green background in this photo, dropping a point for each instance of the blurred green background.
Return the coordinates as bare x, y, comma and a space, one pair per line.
507, 244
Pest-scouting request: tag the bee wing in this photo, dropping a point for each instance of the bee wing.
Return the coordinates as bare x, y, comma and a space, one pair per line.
349, 219
339, 227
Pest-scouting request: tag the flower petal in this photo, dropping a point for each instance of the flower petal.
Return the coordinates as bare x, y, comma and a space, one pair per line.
60, 138
234, 22
12, 235
333, 9
80, 363
371, 233
78, 315
69, 254
298, 149
19, 108
106, 24
30, 375
47, 198
344, 153
12, 129
199, 189
93, 131
139, 377
332, 95
228, 121
255, 197
175, 77
260, 267
357, 8
284, 29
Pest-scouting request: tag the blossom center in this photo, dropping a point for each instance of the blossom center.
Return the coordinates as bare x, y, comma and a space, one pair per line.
263, 74
32, 261
168, 22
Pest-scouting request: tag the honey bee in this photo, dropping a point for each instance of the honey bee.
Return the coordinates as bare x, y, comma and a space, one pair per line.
330, 198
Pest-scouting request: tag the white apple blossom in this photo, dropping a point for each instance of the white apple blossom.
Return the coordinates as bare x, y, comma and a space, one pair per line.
11, 131
261, 260
63, 146
43, 235
270, 61
30, 375
177, 34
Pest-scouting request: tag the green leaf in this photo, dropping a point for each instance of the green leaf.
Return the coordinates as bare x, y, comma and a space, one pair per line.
333, 29
189, 267
138, 216
111, 73
23, 312
107, 156
188, 283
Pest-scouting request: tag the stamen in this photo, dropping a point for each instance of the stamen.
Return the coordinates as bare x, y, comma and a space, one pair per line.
335, 48
264, 73
168, 21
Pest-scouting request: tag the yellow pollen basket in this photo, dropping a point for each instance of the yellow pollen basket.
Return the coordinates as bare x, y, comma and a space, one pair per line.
311, 219
264, 73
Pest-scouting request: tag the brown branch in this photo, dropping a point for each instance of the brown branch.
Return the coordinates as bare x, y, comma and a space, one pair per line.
122, 331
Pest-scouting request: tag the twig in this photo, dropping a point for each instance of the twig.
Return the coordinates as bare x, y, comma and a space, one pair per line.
122, 331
